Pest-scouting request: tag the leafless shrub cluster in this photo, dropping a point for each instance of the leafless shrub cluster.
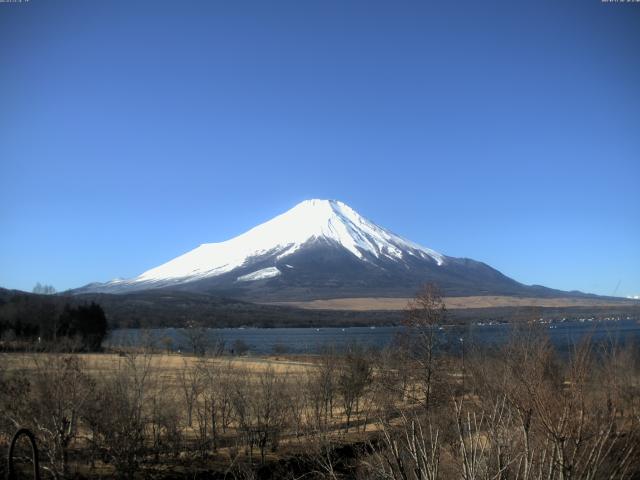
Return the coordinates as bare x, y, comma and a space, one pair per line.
520, 412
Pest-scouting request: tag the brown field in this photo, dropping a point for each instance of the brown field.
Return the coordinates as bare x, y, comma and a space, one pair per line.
393, 304
168, 365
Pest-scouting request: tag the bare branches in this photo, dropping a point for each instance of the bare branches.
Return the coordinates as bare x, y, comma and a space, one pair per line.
425, 314
525, 413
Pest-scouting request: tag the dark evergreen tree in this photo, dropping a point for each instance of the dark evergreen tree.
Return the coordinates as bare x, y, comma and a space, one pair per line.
86, 321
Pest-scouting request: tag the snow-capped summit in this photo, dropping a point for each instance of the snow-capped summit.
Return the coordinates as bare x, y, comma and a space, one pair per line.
317, 249
310, 221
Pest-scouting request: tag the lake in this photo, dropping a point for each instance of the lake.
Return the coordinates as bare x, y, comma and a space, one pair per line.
312, 340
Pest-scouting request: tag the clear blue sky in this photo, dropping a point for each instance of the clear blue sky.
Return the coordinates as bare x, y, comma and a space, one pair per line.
507, 132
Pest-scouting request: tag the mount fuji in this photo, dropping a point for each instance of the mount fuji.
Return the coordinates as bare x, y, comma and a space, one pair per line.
319, 249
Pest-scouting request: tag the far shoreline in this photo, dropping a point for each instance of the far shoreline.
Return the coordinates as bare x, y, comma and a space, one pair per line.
393, 304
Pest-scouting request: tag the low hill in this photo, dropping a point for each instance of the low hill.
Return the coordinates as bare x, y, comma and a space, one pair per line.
168, 308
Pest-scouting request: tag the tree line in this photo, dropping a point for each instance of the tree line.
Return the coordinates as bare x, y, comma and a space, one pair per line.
28, 321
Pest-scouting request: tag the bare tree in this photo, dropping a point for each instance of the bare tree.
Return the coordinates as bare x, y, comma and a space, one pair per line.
120, 419
196, 338
58, 392
409, 451
261, 410
353, 378
425, 313
189, 381
321, 389
44, 289
212, 404
164, 421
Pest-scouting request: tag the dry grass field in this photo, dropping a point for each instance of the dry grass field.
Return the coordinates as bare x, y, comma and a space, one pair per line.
167, 364
393, 304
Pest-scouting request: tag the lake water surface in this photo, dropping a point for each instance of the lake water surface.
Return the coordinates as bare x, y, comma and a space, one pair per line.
312, 340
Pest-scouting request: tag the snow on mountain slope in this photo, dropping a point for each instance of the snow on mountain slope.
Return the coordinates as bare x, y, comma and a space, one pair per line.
261, 274
312, 220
